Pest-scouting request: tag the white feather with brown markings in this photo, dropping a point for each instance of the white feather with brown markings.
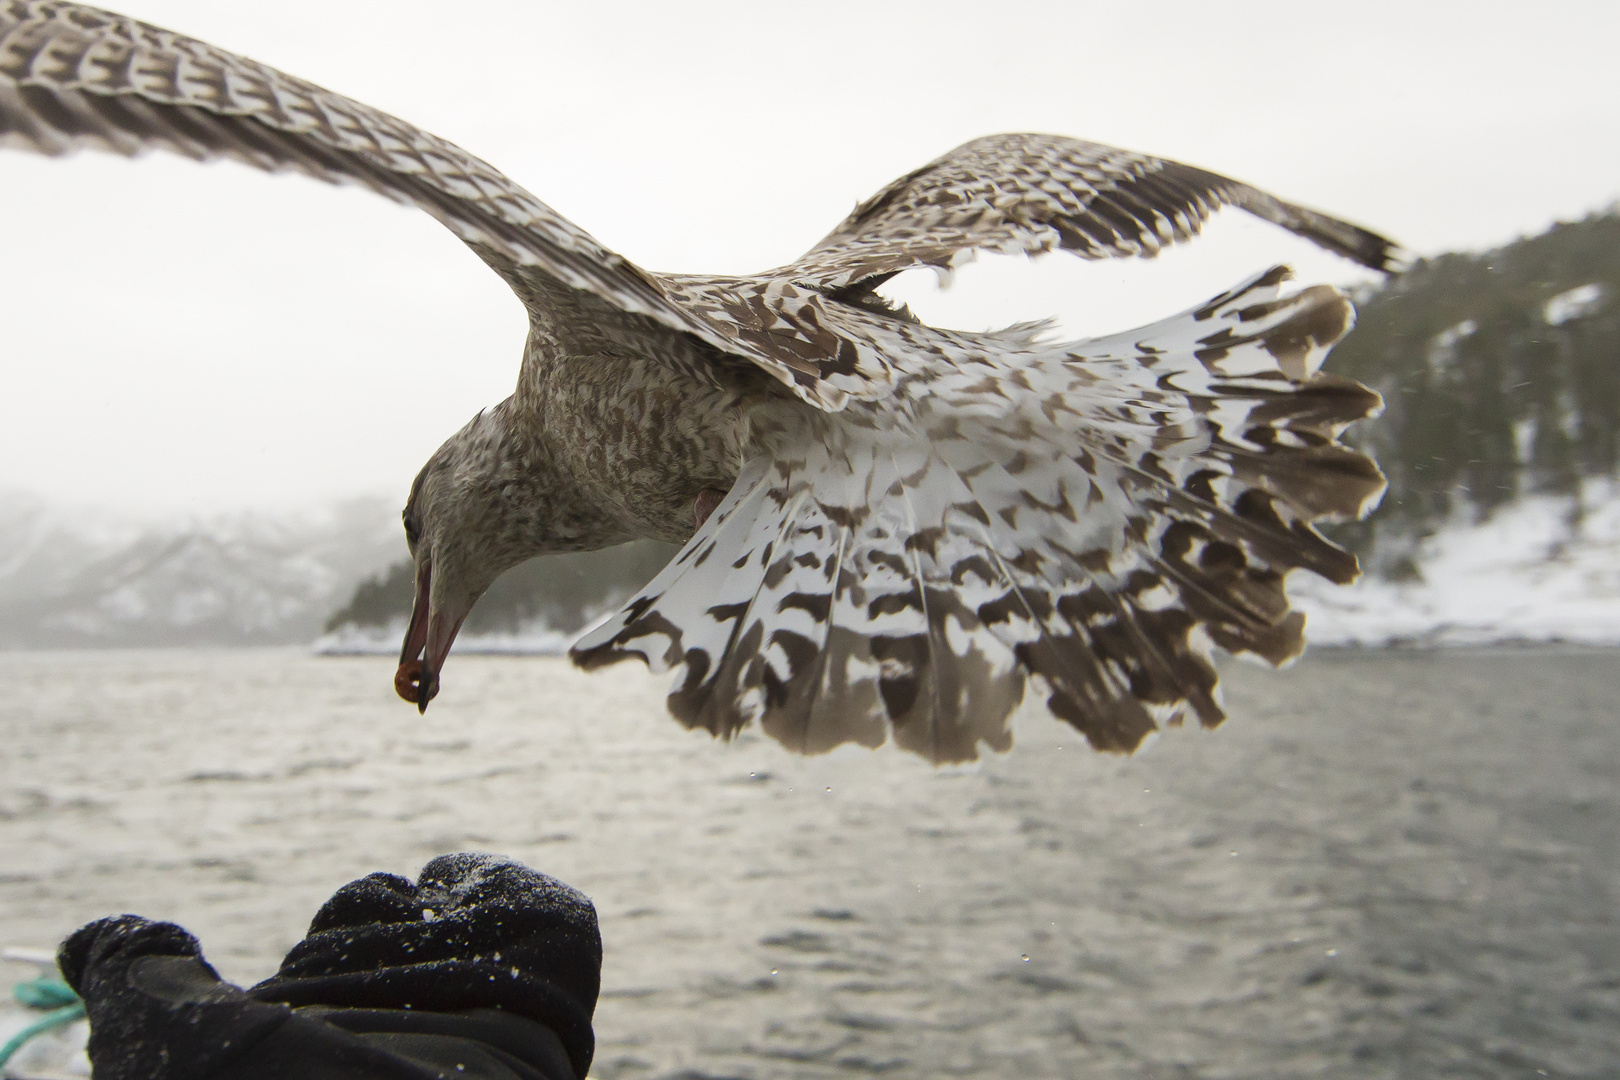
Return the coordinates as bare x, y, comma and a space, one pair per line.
1098, 514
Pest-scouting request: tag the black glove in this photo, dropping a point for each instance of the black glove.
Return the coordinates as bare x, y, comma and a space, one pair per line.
477, 971
155, 1006
474, 931
158, 1011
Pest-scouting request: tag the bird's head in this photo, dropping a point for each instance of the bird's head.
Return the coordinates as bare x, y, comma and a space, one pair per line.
467, 521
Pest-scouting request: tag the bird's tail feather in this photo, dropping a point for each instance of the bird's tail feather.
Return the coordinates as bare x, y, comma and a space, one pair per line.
1100, 515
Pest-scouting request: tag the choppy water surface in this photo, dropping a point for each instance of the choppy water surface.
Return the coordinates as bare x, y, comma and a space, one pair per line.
1386, 865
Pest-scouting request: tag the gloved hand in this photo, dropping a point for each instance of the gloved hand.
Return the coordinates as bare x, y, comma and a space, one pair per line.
473, 931
417, 982
156, 1008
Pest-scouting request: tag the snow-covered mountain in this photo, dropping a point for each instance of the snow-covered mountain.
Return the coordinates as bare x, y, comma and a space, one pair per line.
72, 578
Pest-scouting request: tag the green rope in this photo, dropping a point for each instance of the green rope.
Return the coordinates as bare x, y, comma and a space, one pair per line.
43, 993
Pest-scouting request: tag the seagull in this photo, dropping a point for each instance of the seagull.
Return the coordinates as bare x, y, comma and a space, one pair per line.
890, 530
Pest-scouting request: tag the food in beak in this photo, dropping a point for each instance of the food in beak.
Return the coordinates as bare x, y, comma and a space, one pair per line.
427, 642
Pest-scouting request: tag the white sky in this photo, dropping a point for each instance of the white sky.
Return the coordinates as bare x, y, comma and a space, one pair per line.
193, 337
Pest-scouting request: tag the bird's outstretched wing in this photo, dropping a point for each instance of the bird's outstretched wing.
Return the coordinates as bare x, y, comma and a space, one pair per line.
1028, 194
75, 77
1009, 194
1099, 516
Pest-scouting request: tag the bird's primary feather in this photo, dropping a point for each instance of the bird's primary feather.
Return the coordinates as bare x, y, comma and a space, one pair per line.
1027, 194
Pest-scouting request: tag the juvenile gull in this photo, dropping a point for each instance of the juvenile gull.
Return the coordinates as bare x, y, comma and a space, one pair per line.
889, 528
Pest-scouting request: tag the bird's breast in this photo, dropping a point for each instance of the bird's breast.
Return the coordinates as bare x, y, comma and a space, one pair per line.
642, 439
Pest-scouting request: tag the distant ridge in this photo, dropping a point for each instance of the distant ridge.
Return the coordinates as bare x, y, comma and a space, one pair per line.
83, 579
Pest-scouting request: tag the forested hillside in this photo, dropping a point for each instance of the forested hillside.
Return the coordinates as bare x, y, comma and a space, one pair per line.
1501, 377
561, 592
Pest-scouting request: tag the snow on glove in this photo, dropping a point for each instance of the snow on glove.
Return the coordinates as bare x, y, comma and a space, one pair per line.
475, 931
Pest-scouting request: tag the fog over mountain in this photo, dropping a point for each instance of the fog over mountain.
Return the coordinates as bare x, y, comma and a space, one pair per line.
73, 577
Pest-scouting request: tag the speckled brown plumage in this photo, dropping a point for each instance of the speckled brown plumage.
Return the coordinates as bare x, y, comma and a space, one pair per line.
918, 522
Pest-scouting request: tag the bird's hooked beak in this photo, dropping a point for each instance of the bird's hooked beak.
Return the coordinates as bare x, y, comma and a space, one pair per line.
427, 642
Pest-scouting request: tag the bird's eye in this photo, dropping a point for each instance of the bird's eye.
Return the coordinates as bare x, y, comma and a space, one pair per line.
413, 529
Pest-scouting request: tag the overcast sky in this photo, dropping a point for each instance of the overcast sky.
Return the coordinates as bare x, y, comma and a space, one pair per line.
194, 337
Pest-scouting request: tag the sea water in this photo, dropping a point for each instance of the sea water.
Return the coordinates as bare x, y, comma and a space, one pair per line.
1385, 864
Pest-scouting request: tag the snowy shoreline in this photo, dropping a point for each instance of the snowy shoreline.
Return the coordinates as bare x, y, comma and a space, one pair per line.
535, 640
1532, 573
